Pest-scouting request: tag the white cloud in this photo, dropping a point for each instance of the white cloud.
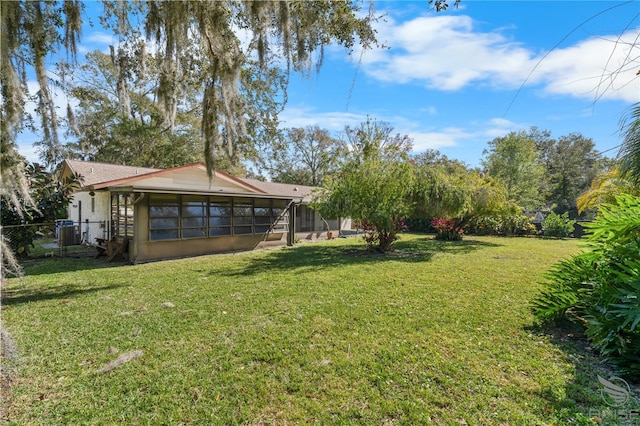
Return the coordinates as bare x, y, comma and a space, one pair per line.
600, 67
465, 141
498, 127
60, 99
447, 53
429, 110
447, 137
97, 41
98, 37
335, 122
332, 121
28, 151
462, 137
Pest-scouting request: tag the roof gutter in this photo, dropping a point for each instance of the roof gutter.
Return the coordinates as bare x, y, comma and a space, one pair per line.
208, 193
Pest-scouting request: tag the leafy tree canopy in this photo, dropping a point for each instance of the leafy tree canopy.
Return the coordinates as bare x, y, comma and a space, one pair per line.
573, 165
195, 44
49, 197
101, 130
373, 185
50, 194
304, 156
514, 161
541, 172
446, 188
570, 163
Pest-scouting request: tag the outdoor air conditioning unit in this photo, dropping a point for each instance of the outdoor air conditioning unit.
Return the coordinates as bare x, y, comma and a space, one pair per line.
68, 234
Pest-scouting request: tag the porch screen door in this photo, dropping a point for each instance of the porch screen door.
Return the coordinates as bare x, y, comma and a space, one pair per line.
122, 214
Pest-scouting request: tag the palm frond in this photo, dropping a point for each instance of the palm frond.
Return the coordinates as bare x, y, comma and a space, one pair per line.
629, 154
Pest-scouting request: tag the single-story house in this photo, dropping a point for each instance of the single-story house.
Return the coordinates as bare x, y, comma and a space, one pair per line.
180, 212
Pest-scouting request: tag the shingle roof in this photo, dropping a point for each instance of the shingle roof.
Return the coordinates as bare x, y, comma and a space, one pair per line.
284, 189
95, 173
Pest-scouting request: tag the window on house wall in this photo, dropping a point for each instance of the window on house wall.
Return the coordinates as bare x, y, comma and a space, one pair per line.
310, 219
219, 216
262, 215
280, 216
173, 216
121, 214
242, 216
164, 217
93, 204
193, 221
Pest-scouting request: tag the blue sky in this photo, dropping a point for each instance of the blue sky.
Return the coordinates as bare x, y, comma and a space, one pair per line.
457, 79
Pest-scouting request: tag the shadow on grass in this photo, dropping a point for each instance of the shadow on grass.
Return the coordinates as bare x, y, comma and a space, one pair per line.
582, 395
322, 256
53, 265
27, 295
306, 255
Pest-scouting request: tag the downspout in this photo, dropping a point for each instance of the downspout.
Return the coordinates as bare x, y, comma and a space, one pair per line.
140, 197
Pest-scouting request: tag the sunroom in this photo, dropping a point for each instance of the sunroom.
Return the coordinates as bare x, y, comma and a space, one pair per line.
180, 212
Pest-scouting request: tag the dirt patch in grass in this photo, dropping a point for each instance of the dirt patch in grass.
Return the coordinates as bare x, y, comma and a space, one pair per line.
120, 361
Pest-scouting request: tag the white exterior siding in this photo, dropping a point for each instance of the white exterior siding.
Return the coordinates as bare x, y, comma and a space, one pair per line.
94, 208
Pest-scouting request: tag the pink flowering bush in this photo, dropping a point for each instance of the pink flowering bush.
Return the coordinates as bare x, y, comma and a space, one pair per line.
381, 239
447, 229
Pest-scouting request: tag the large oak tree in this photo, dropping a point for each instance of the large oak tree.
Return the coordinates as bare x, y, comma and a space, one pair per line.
191, 40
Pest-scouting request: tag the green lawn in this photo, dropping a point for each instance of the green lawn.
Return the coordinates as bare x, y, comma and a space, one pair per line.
322, 333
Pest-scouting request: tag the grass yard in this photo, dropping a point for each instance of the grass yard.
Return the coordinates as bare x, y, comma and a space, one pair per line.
322, 333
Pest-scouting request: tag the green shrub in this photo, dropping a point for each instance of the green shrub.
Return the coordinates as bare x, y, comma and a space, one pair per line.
503, 225
601, 287
565, 283
560, 226
447, 229
419, 224
20, 240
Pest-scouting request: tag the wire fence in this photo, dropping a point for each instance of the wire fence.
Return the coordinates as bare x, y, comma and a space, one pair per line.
58, 239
